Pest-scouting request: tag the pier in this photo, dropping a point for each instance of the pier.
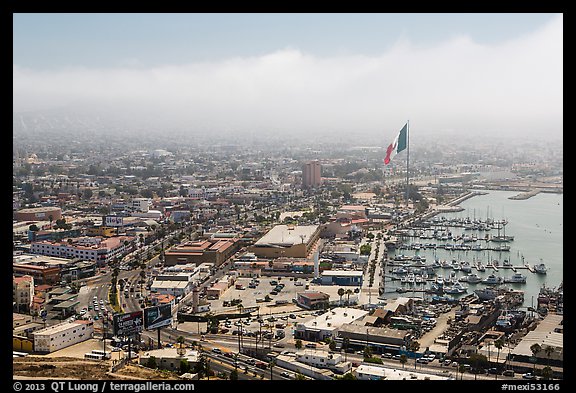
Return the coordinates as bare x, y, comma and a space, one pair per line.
525, 195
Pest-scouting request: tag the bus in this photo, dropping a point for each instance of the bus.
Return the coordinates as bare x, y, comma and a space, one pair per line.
93, 356
106, 355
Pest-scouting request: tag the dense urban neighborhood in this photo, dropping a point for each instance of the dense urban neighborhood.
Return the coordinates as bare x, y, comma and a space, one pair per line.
187, 258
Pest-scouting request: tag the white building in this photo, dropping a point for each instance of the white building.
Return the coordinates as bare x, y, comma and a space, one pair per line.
63, 335
324, 359
141, 204
373, 372
177, 285
170, 358
326, 324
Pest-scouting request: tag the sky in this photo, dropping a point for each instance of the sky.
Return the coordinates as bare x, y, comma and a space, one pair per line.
488, 74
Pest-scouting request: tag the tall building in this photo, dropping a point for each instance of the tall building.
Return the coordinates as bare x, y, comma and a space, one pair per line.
311, 176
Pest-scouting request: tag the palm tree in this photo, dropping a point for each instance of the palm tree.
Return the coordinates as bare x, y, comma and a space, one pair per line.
461, 368
535, 348
348, 293
341, 293
549, 350
403, 359
271, 365
414, 347
498, 344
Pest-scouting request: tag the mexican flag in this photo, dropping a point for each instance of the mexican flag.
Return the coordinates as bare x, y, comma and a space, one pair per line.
398, 145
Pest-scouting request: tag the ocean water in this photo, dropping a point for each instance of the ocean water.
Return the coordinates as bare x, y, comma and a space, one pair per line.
537, 226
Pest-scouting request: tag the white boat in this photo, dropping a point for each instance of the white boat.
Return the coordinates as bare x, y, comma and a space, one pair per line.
455, 289
480, 267
465, 267
492, 280
471, 278
516, 278
399, 270
540, 268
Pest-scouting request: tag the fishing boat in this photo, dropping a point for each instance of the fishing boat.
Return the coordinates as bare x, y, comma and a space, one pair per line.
486, 293
492, 280
465, 267
480, 267
470, 278
517, 278
455, 289
540, 268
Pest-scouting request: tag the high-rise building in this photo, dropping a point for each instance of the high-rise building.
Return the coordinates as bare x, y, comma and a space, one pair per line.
311, 174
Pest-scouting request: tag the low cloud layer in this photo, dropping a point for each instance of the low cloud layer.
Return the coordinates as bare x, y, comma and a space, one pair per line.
514, 87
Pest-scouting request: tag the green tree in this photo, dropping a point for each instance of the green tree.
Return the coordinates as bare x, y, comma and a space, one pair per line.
349, 376
367, 352
403, 359
151, 363
233, 375
535, 348
184, 366
365, 249
298, 344
547, 373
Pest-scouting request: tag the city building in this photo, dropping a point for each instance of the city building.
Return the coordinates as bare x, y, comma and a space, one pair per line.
311, 174
377, 373
22, 292
342, 277
297, 241
214, 251
62, 335
326, 324
169, 358
177, 284
141, 204
324, 359
39, 214
313, 300
380, 339
98, 249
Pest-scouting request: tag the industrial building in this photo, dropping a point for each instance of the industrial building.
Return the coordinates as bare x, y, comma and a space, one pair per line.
296, 241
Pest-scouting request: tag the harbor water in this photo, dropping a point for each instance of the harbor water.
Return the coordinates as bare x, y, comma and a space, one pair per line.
536, 225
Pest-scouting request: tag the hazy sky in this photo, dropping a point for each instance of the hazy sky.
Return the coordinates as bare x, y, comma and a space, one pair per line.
475, 73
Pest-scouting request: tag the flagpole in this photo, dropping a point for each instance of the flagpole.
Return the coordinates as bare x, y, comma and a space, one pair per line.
407, 157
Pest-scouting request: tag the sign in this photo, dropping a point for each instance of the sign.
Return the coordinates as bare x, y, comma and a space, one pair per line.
128, 324
158, 316
114, 221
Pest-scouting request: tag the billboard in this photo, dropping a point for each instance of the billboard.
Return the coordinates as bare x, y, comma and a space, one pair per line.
128, 323
157, 316
114, 221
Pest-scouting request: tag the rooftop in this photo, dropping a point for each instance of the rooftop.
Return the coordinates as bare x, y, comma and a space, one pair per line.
287, 235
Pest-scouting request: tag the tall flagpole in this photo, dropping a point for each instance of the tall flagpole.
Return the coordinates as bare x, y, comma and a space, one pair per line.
407, 157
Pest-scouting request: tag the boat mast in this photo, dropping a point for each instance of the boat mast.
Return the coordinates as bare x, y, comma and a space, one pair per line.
407, 157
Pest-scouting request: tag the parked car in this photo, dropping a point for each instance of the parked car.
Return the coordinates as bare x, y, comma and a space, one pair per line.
311, 345
508, 373
529, 376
